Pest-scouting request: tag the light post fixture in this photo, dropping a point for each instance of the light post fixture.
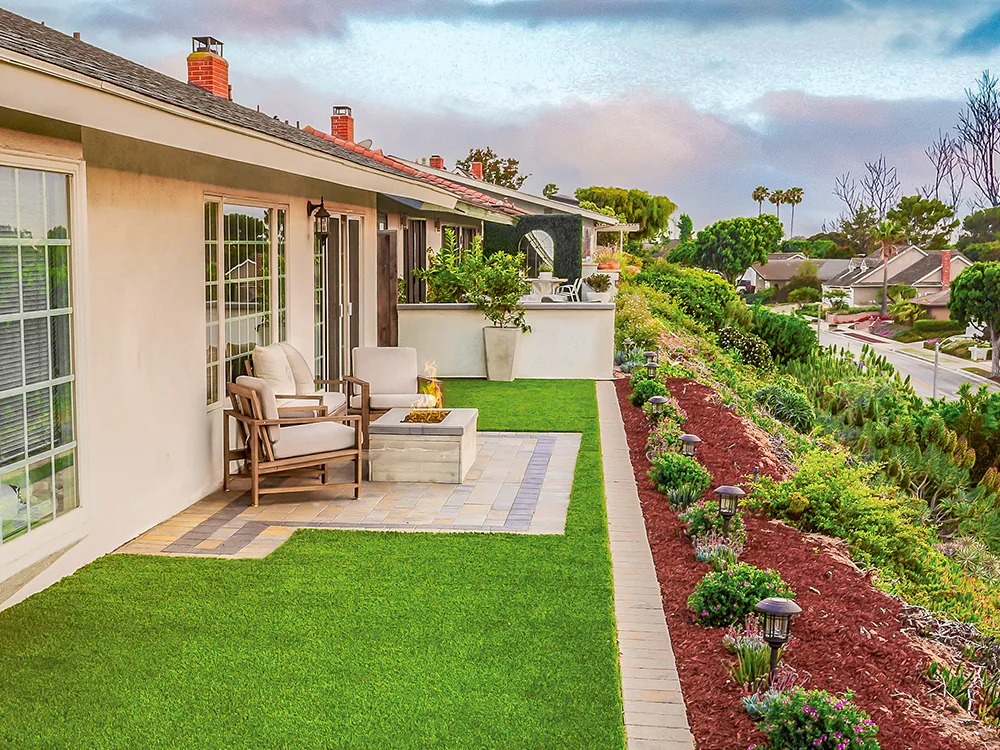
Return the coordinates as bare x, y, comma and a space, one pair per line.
627, 344
729, 501
656, 404
689, 444
652, 364
776, 620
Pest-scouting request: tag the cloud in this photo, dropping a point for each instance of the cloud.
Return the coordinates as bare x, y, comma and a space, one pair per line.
982, 38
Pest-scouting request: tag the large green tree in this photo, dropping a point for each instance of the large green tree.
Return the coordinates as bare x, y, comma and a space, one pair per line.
731, 246
857, 230
685, 228
760, 194
496, 170
980, 227
651, 212
925, 222
975, 298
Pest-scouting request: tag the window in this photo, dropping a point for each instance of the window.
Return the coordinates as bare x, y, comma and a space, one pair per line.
252, 243
37, 434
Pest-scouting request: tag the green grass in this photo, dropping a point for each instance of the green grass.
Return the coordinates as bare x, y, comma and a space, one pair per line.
339, 639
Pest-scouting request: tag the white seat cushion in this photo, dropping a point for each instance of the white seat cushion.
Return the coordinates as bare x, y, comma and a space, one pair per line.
268, 404
271, 364
396, 400
318, 437
304, 381
387, 369
334, 401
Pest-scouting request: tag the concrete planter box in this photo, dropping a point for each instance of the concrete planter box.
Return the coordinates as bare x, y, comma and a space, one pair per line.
501, 352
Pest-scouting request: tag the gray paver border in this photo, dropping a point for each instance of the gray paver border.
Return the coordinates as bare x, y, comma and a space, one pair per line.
655, 716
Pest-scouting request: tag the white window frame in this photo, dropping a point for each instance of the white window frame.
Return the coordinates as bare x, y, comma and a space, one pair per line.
27, 549
236, 200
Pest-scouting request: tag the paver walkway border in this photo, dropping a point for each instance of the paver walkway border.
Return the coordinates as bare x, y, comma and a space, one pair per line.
655, 715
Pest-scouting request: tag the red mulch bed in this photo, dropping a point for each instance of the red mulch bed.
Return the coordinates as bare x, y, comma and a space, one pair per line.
849, 636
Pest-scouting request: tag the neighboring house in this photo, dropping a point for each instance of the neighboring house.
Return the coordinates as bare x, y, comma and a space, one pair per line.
781, 267
154, 232
927, 271
935, 304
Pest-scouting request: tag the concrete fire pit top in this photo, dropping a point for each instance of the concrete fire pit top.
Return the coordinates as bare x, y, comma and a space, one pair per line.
458, 422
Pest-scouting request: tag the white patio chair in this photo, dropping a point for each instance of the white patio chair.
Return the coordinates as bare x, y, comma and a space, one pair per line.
386, 378
284, 368
570, 291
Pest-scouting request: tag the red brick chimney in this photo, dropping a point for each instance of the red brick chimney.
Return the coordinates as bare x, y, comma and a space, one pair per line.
437, 162
207, 68
342, 123
945, 269
477, 169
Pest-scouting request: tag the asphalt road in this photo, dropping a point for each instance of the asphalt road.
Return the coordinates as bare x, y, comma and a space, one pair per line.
921, 371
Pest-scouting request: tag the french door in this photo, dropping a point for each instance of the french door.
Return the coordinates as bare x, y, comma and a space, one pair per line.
337, 281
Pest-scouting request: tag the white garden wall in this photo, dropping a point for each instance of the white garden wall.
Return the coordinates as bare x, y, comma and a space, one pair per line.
569, 340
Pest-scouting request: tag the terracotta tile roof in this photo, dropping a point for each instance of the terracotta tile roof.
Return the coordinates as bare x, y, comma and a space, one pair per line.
467, 194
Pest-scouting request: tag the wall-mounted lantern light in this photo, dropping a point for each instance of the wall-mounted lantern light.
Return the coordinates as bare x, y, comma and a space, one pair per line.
322, 216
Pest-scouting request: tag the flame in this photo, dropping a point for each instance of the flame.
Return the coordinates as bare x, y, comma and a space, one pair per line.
432, 387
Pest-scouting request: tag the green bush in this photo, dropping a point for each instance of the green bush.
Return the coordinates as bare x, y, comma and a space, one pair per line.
634, 320
643, 389
929, 329
801, 719
726, 598
707, 298
790, 339
672, 470
703, 518
752, 349
787, 406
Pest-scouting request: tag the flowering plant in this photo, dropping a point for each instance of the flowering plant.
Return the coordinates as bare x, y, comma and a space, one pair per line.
727, 597
703, 518
816, 719
718, 550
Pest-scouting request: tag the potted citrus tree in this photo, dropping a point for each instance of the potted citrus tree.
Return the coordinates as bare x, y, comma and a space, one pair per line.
497, 291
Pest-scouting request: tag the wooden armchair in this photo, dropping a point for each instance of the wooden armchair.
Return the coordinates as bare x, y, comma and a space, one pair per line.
289, 375
289, 446
386, 378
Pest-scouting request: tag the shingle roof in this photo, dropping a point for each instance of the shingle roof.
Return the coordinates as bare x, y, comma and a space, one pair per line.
27, 37
918, 270
858, 268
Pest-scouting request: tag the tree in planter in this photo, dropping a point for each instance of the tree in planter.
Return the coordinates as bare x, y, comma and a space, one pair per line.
450, 270
497, 291
975, 298
887, 234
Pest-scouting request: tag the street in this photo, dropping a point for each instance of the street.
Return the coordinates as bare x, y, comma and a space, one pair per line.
921, 371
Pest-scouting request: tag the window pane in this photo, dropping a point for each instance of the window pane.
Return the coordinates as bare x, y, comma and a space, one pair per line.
58, 277
9, 287
12, 439
41, 502
8, 204
65, 482
36, 350
30, 205
33, 285
39, 404
10, 356
13, 504
62, 414
56, 207
62, 364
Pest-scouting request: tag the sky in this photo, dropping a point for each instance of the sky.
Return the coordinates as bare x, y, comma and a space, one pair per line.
698, 100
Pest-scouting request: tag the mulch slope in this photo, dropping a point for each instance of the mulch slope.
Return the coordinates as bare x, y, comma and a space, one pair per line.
849, 636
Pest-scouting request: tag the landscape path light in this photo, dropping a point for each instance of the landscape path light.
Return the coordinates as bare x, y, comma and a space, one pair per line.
689, 444
627, 344
656, 403
776, 620
729, 501
652, 364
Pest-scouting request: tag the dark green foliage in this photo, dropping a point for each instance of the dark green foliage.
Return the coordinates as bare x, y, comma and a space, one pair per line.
801, 720
975, 298
805, 277
976, 417
926, 222
496, 170
685, 228
643, 389
704, 296
651, 212
731, 246
787, 406
929, 329
672, 470
790, 339
752, 349
988, 252
726, 598
980, 227
566, 231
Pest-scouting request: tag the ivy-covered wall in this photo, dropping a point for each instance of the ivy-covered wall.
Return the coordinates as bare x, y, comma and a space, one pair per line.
566, 231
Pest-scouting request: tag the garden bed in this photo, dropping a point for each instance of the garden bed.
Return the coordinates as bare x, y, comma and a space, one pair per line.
850, 635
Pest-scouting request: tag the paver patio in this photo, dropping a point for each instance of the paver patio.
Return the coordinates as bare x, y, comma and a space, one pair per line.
519, 484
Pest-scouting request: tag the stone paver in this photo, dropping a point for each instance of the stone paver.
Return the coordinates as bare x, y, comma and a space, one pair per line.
655, 716
520, 483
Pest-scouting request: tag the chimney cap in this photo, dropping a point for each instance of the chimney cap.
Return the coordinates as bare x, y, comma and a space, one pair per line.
339, 109
206, 44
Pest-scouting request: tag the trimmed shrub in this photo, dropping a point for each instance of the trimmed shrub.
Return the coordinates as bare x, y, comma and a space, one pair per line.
752, 349
726, 598
703, 295
815, 719
672, 470
643, 389
790, 339
788, 407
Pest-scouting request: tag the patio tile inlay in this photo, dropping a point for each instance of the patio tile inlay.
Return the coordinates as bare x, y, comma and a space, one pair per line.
520, 483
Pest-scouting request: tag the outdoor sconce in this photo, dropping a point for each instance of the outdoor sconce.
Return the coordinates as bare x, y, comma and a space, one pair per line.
776, 620
689, 444
657, 402
652, 364
322, 216
729, 501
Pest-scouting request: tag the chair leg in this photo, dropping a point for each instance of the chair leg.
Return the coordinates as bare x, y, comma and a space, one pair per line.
225, 452
254, 470
357, 476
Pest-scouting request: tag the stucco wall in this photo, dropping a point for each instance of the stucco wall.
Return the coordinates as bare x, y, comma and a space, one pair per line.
566, 340
148, 444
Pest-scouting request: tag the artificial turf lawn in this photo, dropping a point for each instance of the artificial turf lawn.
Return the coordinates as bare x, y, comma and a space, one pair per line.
339, 639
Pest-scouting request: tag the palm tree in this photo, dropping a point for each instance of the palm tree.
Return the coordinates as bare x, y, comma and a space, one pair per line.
793, 196
887, 233
760, 194
777, 197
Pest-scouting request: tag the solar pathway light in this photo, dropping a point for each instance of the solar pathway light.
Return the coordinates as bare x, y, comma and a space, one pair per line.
689, 444
652, 364
776, 620
627, 344
729, 501
656, 403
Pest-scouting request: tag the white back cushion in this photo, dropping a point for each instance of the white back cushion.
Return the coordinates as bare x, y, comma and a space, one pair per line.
388, 369
268, 403
271, 364
304, 381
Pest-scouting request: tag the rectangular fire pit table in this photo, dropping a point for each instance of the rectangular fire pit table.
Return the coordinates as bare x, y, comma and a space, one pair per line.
419, 452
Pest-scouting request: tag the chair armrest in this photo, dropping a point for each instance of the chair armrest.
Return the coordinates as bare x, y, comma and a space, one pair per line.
425, 379
301, 397
289, 421
322, 410
358, 383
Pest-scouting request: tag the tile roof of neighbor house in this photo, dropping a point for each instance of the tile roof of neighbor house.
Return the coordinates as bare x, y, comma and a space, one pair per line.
30, 38
785, 269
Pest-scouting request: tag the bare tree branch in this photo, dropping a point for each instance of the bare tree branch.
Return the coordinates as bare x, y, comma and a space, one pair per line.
979, 138
847, 190
880, 186
949, 176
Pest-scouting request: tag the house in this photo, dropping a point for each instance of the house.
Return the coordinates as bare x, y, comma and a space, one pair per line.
781, 267
156, 231
926, 270
935, 304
